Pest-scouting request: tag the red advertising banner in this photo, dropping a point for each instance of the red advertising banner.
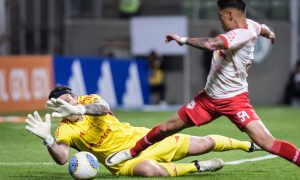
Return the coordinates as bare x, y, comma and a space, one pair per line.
25, 82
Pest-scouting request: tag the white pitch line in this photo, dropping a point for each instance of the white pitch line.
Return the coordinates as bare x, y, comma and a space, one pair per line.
270, 156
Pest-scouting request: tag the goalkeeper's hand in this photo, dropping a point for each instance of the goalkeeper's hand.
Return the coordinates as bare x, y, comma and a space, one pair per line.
63, 109
40, 128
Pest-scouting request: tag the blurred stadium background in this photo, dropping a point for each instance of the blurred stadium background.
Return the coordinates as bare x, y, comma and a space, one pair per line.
82, 37
94, 48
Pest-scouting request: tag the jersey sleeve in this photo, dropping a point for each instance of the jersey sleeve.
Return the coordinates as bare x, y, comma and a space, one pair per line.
256, 26
88, 99
236, 38
62, 135
92, 98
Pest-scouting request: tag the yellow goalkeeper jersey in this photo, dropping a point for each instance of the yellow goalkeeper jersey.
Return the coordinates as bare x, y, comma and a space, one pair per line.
100, 135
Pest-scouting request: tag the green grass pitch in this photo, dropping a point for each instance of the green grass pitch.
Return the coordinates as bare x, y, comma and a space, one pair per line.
24, 157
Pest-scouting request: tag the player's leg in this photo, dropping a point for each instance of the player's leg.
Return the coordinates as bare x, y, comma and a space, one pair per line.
158, 133
155, 161
179, 146
197, 112
223, 143
239, 110
261, 136
151, 168
180, 169
201, 145
244, 116
151, 161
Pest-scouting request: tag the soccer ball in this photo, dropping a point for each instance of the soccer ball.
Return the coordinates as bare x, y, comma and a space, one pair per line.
83, 165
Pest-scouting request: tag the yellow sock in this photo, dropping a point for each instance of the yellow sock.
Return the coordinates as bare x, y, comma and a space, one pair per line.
223, 143
179, 169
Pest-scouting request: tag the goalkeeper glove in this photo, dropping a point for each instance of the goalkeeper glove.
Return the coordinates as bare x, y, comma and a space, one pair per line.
63, 109
40, 128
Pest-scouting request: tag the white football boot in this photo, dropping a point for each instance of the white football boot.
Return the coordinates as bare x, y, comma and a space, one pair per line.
118, 157
209, 165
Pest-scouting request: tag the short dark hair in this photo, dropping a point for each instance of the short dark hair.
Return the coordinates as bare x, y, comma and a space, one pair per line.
238, 4
59, 90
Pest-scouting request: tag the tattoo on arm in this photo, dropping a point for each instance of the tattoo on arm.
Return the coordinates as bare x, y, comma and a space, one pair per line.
97, 108
206, 43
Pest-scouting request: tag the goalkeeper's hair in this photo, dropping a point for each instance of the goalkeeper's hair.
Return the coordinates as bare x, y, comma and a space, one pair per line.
59, 90
238, 4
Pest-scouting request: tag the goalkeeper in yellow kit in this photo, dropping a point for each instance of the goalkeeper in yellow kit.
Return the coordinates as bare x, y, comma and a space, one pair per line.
89, 125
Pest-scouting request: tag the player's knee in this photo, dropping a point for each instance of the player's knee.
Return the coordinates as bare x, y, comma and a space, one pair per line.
149, 169
151, 173
209, 141
205, 143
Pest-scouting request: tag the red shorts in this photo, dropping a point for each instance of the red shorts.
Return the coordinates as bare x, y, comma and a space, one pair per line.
204, 109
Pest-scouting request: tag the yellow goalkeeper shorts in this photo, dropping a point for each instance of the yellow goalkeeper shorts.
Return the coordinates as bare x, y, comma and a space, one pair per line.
170, 149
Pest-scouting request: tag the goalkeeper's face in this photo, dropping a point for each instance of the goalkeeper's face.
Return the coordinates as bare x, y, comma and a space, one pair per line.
70, 98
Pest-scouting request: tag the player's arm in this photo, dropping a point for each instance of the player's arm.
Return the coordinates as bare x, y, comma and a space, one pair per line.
100, 107
204, 43
267, 33
42, 129
62, 108
60, 152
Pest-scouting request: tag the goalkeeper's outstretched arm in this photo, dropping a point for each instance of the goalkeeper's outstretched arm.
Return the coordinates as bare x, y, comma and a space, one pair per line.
62, 108
42, 129
59, 152
99, 107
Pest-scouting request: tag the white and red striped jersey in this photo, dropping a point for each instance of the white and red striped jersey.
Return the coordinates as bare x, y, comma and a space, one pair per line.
228, 73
